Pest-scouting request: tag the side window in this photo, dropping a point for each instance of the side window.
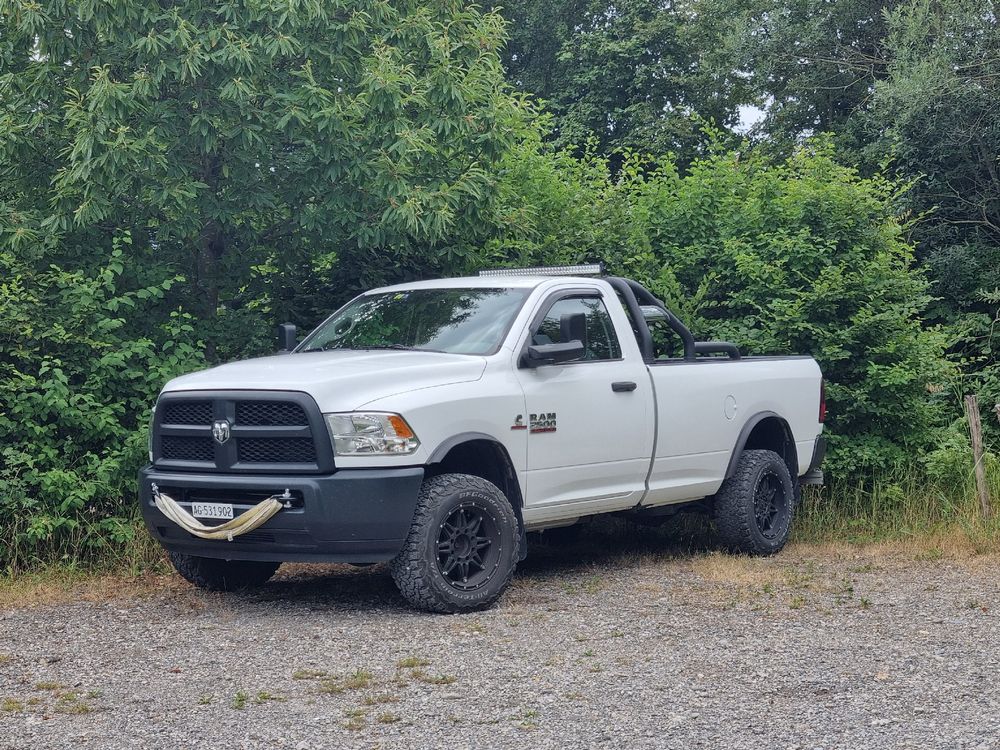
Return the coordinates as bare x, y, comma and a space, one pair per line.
599, 338
666, 343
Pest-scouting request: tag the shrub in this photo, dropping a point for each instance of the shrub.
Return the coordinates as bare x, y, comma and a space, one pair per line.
80, 367
799, 257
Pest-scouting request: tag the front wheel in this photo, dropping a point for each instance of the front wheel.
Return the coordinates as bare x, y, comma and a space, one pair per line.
754, 507
462, 548
222, 575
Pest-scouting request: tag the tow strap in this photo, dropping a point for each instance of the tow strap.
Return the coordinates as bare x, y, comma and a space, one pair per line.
242, 524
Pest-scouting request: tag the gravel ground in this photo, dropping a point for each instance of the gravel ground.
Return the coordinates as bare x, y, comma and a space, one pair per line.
620, 641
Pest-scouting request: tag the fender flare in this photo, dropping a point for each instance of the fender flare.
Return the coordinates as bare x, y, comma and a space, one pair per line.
438, 454
744, 435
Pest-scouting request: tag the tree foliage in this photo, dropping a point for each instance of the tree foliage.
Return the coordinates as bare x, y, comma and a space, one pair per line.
811, 64
238, 138
80, 367
801, 257
263, 158
941, 107
904, 88
633, 76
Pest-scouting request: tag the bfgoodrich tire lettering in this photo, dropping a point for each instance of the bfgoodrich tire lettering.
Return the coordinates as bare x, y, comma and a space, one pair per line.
462, 548
754, 507
222, 575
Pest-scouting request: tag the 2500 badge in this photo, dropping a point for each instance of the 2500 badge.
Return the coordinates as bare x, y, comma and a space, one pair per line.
543, 422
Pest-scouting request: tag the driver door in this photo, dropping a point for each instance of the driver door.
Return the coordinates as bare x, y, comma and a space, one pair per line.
589, 421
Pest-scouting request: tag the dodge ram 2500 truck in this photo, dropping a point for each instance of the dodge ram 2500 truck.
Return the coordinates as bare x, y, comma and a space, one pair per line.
431, 425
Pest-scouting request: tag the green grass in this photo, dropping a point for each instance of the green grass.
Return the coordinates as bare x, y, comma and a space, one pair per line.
77, 554
70, 703
379, 698
898, 506
431, 679
412, 662
358, 680
309, 674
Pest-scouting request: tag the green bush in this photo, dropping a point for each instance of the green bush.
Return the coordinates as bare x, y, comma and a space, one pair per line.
81, 361
801, 257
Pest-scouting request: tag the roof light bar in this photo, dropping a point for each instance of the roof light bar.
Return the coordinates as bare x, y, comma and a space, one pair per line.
590, 269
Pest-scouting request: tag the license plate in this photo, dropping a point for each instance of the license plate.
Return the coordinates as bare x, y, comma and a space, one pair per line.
212, 510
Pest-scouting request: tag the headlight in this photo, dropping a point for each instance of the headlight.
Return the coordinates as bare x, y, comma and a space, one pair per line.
370, 434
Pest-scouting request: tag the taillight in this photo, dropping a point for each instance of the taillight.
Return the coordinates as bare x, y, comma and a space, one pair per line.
822, 400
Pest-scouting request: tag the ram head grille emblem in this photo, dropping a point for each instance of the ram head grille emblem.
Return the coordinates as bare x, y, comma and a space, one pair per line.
221, 431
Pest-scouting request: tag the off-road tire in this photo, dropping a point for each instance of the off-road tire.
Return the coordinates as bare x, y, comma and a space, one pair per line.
418, 569
738, 509
222, 575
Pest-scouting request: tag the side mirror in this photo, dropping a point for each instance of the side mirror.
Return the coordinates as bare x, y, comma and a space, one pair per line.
551, 354
287, 339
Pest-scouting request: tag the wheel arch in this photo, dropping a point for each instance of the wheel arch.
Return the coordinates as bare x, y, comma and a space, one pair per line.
766, 430
484, 456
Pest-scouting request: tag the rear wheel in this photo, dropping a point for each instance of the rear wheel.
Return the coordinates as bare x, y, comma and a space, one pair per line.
222, 575
462, 548
754, 507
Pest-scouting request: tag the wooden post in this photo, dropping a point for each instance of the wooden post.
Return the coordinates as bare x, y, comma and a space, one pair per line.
976, 433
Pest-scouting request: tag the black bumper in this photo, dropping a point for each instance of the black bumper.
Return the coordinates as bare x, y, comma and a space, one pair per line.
353, 515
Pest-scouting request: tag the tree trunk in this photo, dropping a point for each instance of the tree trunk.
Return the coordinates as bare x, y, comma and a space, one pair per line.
211, 248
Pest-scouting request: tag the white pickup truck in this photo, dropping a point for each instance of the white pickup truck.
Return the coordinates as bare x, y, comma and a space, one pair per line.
432, 425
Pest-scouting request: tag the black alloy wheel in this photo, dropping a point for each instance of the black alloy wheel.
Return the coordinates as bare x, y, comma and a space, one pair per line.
469, 547
462, 548
754, 507
769, 503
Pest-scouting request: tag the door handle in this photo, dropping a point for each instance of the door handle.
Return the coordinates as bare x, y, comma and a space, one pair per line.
623, 386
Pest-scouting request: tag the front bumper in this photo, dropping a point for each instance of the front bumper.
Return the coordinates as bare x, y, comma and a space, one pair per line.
353, 515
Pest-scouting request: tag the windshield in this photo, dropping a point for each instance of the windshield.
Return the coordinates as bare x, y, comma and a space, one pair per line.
457, 321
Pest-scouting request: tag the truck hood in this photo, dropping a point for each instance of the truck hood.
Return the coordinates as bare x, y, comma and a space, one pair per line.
338, 380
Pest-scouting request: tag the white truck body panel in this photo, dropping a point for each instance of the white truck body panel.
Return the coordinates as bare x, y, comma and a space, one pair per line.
669, 440
338, 380
702, 406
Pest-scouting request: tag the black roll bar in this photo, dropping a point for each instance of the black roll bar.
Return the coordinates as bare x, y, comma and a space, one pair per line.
624, 288
633, 290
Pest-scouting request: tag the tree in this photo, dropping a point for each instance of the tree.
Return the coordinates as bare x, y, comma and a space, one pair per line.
633, 76
811, 64
940, 105
81, 361
941, 108
179, 173
244, 142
